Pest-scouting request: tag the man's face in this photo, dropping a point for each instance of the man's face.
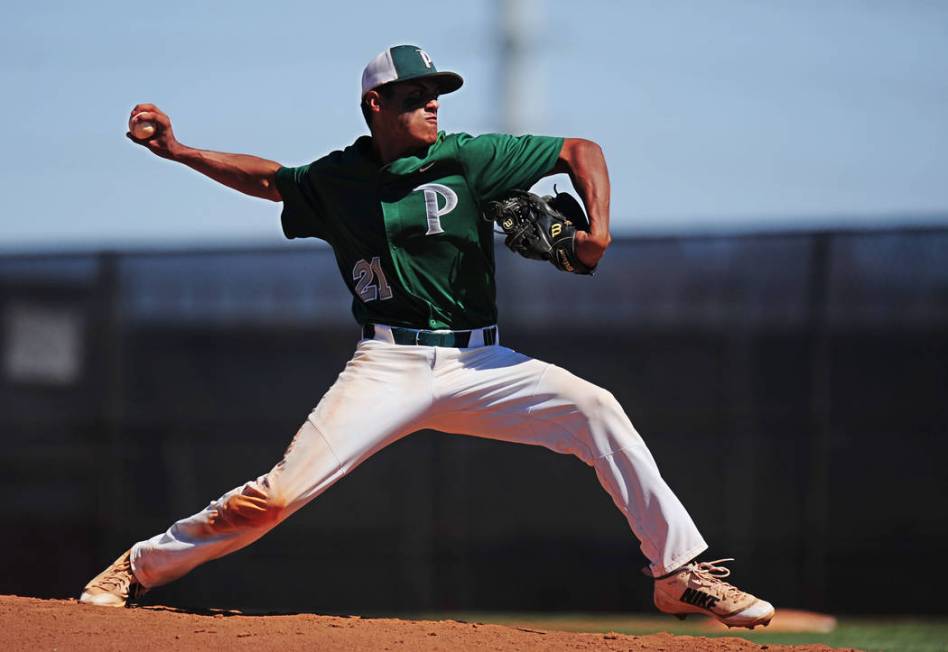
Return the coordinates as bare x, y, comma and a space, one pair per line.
409, 114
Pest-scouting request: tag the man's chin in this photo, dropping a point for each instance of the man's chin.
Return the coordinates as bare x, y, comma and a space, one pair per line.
424, 138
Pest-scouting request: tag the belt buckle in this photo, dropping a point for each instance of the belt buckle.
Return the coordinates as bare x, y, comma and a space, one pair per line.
417, 338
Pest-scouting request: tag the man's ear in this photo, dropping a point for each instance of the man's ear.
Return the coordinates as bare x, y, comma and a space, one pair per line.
373, 100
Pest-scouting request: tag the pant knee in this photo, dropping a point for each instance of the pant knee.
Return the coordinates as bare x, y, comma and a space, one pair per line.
606, 429
597, 404
254, 507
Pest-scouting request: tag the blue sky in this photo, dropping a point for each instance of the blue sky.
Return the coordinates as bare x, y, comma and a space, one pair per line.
714, 116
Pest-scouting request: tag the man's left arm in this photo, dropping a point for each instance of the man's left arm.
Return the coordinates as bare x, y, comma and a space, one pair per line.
584, 162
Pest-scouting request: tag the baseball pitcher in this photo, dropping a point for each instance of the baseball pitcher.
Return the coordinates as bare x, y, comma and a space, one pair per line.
410, 213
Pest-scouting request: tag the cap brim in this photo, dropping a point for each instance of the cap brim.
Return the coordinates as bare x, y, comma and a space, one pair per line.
447, 82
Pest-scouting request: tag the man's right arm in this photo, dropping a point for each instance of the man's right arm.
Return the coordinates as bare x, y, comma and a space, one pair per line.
248, 174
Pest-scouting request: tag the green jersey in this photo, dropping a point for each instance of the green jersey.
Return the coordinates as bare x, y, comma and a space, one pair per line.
408, 236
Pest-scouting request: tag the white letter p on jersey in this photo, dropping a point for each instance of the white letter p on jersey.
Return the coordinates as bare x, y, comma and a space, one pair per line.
432, 191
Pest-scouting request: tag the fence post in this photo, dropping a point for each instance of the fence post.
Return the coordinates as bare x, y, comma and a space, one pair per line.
113, 504
817, 513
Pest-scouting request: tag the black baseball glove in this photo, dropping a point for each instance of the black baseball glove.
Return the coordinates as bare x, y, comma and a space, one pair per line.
541, 228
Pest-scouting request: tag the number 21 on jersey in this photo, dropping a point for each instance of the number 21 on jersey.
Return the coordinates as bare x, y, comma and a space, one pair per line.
370, 281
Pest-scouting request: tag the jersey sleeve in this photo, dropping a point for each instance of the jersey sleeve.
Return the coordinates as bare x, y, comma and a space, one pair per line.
496, 163
303, 214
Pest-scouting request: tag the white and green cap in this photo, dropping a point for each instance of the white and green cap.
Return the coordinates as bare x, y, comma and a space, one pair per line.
404, 62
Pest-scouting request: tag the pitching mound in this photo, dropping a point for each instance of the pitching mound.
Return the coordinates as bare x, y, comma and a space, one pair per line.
30, 623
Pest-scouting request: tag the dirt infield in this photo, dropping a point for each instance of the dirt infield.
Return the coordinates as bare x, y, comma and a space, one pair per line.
34, 624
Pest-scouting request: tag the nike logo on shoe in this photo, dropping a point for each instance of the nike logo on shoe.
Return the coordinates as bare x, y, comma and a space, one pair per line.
699, 599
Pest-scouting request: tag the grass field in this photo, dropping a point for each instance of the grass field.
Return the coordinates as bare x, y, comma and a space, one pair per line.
889, 634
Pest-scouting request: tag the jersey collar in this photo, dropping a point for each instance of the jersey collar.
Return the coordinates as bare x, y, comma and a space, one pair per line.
401, 166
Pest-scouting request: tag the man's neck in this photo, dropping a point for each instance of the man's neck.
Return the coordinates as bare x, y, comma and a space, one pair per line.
386, 152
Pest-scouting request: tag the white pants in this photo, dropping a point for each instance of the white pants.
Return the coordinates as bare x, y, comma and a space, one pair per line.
388, 391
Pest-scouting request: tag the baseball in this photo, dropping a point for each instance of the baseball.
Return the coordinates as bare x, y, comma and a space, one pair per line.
143, 129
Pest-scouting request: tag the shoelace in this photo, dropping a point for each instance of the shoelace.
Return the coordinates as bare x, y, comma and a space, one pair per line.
710, 575
120, 578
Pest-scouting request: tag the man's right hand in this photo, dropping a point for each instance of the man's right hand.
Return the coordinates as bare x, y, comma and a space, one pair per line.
163, 143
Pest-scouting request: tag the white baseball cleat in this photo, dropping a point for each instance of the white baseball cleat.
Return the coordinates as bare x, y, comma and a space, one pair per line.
698, 588
114, 586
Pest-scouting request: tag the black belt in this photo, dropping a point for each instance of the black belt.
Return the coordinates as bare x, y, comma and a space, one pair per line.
452, 339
